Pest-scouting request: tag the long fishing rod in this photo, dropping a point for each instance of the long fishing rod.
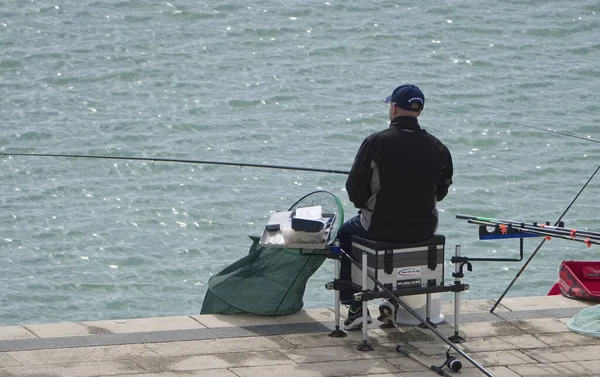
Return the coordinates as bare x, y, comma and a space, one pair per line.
185, 161
561, 133
545, 227
416, 315
542, 243
541, 232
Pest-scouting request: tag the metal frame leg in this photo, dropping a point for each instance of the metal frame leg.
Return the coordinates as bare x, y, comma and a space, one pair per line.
364, 346
427, 312
337, 333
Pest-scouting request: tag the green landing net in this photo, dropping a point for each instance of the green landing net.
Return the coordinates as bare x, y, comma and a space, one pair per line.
586, 322
271, 280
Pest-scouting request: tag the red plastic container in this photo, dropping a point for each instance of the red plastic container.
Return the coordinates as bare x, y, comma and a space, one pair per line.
578, 280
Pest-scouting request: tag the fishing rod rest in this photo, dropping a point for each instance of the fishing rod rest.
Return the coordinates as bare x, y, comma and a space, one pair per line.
457, 275
485, 234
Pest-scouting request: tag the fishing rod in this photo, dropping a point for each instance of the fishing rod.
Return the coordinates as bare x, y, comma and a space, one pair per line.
588, 240
561, 133
542, 243
411, 311
185, 161
534, 226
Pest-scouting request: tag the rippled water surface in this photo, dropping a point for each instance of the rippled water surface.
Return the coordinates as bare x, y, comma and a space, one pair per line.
294, 83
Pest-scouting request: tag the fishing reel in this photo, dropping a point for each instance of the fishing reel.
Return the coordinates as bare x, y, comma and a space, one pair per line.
452, 362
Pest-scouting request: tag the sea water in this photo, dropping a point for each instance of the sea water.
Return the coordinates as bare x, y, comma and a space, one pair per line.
296, 83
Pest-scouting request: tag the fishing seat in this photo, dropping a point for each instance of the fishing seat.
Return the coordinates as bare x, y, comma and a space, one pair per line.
409, 274
399, 265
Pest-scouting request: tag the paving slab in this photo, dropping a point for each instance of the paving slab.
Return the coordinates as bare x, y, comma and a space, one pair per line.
542, 302
193, 373
304, 316
144, 325
80, 354
499, 358
569, 339
226, 345
337, 353
399, 335
564, 354
502, 343
15, 332
591, 365
213, 361
541, 325
89, 369
472, 306
406, 364
69, 329
480, 329
319, 340
547, 355
564, 369
487, 359
582, 353
521, 315
430, 348
7, 361
472, 372
498, 343
55, 330
473, 317
329, 369
565, 312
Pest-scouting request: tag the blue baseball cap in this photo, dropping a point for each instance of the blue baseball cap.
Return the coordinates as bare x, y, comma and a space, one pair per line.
408, 97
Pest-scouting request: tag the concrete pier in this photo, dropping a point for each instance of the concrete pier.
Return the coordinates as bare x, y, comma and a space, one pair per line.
525, 336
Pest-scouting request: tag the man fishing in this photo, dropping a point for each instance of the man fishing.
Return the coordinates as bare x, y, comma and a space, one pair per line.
396, 179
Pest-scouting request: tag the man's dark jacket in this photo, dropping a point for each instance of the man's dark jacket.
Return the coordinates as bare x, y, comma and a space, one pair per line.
397, 177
